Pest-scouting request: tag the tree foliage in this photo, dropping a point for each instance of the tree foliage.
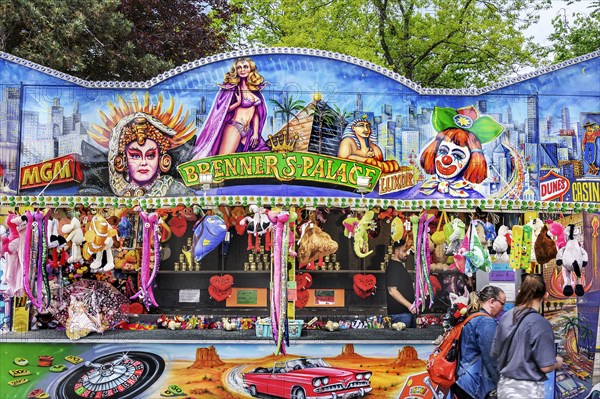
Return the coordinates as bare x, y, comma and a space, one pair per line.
437, 43
578, 38
114, 39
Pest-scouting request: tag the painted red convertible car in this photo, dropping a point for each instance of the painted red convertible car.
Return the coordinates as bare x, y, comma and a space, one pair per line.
307, 378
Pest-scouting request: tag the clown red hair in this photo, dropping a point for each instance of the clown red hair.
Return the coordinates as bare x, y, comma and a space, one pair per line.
476, 170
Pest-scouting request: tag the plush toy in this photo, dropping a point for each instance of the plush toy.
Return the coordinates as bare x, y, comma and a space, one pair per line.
256, 226
361, 238
460, 260
478, 227
490, 233
314, 243
458, 234
478, 255
99, 241
208, 234
501, 244
558, 231
12, 278
332, 326
397, 229
75, 237
3, 250
54, 239
237, 215
544, 248
387, 215
536, 228
125, 227
398, 326
350, 224
457, 310
572, 257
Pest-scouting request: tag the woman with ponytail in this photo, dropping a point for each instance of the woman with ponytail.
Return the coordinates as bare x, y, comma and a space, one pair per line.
524, 344
477, 374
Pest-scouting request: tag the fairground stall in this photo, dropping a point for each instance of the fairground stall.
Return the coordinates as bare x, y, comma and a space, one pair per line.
223, 229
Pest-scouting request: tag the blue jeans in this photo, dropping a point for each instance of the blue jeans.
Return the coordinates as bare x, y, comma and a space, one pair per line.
407, 318
589, 152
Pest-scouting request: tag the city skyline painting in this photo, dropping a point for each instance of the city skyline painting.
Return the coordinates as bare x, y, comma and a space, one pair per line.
547, 125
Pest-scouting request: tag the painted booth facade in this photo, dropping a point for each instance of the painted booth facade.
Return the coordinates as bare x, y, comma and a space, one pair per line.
305, 128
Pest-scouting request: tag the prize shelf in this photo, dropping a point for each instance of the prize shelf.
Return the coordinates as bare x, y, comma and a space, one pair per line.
267, 271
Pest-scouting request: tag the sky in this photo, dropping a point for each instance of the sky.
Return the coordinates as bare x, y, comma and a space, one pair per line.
543, 28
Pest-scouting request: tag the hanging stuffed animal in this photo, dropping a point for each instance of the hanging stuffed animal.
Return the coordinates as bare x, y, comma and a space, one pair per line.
544, 247
478, 255
350, 224
572, 257
314, 244
490, 233
536, 228
237, 215
256, 226
125, 227
458, 234
208, 234
423, 286
361, 237
520, 250
99, 242
75, 237
56, 254
150, 235
502, 243
55, 240
387, 215
279, 323
12, 278
558, 231
397, 229
461, 262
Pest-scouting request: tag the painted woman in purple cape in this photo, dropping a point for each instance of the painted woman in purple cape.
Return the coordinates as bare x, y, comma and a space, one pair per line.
237, 116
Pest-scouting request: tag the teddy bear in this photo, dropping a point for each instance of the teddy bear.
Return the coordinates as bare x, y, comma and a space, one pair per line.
572, 257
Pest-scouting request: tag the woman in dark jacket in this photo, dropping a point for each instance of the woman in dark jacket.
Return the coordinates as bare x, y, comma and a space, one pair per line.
477, 374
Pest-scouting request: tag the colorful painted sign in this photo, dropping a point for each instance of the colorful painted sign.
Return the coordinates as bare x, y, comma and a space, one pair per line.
498, 142
553, 186
281, 166
60, 170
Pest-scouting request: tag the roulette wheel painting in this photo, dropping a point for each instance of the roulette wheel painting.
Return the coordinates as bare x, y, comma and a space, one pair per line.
118, 376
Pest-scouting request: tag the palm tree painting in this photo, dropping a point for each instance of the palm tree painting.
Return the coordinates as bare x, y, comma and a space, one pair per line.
288, 107
324, 115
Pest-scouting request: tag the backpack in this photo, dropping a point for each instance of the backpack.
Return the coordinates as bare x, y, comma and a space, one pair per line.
443, 361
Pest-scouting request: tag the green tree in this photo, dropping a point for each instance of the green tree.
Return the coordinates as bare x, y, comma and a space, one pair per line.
113, 39
580, 37
437, 43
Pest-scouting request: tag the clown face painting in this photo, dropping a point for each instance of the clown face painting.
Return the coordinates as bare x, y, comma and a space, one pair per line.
455, 157
451, 159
